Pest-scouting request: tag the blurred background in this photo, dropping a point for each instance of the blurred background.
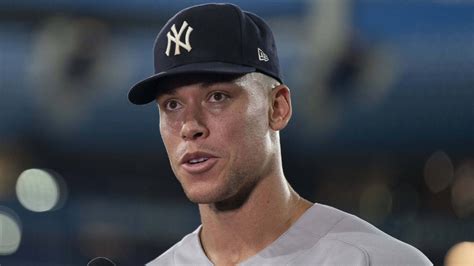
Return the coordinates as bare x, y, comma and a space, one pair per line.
383, 123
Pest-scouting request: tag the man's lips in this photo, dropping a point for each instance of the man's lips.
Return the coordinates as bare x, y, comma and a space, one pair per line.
198, 162
196, 157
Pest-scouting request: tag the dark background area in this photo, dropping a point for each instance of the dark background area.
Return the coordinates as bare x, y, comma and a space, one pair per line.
383, 123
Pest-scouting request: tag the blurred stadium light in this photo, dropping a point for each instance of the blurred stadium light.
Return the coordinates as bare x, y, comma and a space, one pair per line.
41, 190
10, 231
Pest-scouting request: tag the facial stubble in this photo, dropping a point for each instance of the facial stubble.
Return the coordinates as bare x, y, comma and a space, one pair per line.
236, 191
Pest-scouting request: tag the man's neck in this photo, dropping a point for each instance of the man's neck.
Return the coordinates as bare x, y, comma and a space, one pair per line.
230, 237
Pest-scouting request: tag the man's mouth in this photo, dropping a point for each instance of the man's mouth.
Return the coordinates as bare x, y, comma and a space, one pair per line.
196, 157
198, 160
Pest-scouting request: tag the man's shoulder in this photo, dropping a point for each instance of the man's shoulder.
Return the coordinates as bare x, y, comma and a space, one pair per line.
180, 252
349, 234
375, 249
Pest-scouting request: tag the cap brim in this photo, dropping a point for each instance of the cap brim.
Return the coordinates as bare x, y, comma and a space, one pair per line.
146, 90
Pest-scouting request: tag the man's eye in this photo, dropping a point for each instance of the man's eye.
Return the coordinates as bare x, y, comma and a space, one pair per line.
172, 105
217, 97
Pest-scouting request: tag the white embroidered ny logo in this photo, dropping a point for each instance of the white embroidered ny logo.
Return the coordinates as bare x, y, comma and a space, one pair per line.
176, 38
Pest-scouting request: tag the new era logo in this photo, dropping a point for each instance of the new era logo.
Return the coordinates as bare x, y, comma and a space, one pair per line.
176, 38
262, 56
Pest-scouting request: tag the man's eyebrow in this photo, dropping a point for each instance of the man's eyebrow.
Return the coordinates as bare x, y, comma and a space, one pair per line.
170, 86
168, 92
203, 85
219, 84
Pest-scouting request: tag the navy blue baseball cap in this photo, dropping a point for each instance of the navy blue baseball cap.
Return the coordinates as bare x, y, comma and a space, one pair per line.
209, 38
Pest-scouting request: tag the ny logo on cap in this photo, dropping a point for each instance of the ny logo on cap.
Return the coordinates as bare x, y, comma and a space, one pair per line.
176, 38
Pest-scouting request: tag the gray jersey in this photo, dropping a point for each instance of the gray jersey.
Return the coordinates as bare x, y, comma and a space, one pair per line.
323, 235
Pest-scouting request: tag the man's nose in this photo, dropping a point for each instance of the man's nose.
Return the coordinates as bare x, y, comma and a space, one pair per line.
193, 126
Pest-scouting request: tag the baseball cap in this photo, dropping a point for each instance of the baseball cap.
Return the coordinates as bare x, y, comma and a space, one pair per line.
209, 38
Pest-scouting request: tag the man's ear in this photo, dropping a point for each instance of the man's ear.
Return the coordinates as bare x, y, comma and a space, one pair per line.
280, 107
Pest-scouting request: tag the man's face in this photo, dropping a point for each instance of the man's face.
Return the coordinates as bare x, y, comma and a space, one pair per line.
217, 136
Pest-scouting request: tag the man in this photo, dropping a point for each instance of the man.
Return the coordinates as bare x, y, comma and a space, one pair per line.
222, 104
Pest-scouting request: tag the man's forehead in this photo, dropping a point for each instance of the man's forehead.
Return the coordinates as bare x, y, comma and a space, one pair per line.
170, 85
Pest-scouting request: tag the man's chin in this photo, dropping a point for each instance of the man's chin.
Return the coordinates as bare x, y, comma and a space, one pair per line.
203, 197
202, 200
221, 202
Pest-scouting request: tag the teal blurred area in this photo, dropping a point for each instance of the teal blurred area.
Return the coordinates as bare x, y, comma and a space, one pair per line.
382, 127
